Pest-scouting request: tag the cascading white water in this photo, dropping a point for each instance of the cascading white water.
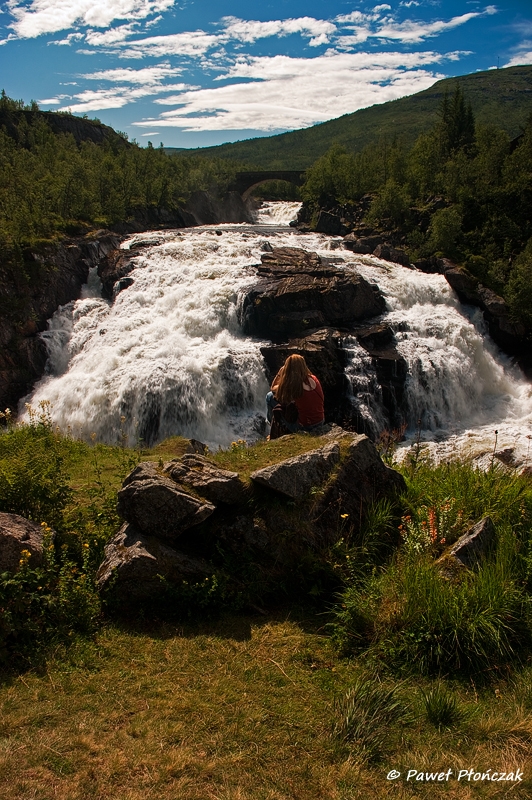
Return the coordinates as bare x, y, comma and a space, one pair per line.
169, 357
277, 213
460, 388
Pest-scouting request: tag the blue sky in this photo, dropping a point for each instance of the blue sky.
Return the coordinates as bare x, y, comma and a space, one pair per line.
192, 73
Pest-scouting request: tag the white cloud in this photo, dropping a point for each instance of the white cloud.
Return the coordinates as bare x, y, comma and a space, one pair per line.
111, 36
191, 43
524, 56
289, 93
413, 32
67, 41
116, 97
151, 76
373, 26
151, 133
49, 16
318, 30
196, 44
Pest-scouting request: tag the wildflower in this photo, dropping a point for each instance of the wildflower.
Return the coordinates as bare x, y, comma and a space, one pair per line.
85, 544
344, 516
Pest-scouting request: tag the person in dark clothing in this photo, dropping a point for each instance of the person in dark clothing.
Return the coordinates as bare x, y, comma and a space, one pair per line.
295, 401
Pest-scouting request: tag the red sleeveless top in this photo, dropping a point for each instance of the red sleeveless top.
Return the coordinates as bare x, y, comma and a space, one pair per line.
310, 405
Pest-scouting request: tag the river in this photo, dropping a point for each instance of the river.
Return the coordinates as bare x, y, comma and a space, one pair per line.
167, 356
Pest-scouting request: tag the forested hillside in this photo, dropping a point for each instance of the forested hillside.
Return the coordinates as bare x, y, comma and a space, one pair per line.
463, 190
499, 97
60, 174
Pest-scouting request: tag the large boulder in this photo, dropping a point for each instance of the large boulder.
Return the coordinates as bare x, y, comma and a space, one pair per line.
389, 253
134, 565
298, 291
157, 506
296, 476
470, 549
362, 479
215, 484
364, 245
18, 534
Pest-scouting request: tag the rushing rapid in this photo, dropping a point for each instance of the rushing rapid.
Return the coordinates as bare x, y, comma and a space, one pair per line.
167, 356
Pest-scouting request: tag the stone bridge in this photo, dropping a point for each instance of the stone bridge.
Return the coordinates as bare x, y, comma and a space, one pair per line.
245, 182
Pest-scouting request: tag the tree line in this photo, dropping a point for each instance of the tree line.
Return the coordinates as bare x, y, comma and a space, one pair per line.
50, 185
463, 191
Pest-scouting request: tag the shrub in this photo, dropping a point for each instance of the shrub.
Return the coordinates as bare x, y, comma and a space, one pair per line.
442, 708
364, 713
408, 613
33, 481
44, 605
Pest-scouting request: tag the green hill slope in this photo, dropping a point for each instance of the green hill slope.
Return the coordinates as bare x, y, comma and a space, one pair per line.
502, 97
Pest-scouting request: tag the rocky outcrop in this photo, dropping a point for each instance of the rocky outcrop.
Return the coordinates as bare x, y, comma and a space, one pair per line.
296, 476
509, 335
18, 534
157, 506
29, 295
136, 565
192, 519
361, 479
215, 484
299, 291
470, 549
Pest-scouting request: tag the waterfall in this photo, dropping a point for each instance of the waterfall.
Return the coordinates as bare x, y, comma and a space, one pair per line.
169, 357
460, 388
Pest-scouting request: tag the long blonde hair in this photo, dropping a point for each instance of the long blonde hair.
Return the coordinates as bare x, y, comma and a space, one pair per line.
289, 380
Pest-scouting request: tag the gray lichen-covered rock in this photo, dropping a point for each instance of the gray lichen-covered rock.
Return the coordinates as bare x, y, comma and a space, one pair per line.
134, 565
362, 479
157, 506
473, 546
295, 476
215, 484
18, 534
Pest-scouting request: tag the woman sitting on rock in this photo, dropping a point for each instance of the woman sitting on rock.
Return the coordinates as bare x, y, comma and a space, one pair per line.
295, 401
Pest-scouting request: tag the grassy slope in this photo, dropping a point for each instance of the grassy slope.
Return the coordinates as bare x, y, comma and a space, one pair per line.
240, 709
501, 97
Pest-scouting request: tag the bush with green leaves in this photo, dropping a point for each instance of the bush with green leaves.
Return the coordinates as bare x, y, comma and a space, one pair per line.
33, 479
47, 604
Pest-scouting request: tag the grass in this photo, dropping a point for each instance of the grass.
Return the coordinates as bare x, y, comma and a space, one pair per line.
239, 710
245, 460
268, 707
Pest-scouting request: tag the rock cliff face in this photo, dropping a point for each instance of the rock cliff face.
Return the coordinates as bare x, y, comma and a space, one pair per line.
29, 295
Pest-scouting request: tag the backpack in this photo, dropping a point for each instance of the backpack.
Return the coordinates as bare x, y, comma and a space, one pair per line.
282, 414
